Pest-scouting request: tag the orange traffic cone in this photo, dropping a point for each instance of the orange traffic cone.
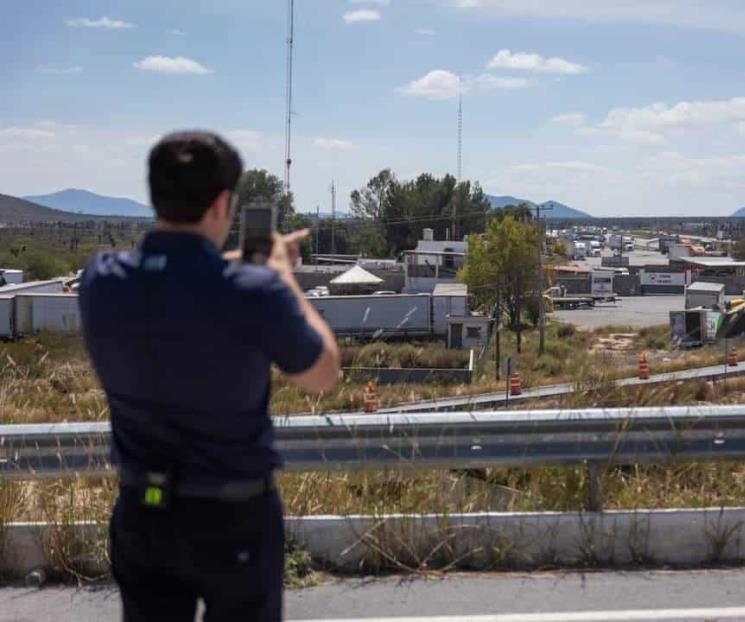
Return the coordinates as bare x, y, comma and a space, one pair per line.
515, 386
643, 367
732, 357
370, 401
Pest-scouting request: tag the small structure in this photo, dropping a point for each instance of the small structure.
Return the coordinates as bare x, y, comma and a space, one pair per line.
355, 281
706, 295
432, 262
470, 331
716, 270
10, 277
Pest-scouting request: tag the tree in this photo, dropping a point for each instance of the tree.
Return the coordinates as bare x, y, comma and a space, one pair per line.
400, 210
501, 267
261, 185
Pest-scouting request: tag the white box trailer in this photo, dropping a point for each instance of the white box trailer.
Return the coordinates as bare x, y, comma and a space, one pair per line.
385, 315
7, 324
35, 312
448, 299
52, 286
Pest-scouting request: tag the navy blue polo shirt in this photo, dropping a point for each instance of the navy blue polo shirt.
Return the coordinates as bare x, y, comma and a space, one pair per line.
182, 342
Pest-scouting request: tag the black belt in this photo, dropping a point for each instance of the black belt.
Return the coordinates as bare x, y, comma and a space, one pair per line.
234, 490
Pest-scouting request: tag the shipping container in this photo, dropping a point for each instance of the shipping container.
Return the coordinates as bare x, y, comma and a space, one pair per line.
53, 286
377, 316
7, 328
35, 312
448, 299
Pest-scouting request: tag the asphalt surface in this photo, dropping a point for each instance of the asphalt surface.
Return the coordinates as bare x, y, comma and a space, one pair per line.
481, 401
541, 597
634, 311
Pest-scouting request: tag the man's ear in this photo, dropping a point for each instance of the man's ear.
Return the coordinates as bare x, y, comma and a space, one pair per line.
220, 208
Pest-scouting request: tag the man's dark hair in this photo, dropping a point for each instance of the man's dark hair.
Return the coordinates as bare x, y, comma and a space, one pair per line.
186, 173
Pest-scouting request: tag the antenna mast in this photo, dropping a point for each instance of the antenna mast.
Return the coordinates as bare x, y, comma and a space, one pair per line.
288, 102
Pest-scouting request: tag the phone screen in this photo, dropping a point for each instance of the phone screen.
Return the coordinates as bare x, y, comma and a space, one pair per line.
257, 226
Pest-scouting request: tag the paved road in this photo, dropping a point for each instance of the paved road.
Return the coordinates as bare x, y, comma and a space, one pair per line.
539, 597
483, 401
634, 311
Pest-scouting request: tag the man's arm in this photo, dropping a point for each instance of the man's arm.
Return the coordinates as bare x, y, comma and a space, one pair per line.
325, 372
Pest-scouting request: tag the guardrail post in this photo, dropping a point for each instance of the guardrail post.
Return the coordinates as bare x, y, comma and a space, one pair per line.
594, 492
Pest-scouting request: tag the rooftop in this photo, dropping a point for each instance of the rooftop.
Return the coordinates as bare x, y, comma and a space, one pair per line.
356, 276
714, 262
703, 286
450, 289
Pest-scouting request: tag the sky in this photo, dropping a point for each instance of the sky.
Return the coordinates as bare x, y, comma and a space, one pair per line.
615, 107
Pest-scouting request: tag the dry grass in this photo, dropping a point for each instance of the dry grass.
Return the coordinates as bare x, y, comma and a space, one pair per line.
48, 378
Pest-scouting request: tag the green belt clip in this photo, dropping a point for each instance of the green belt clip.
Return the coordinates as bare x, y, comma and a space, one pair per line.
155, 493
153, 496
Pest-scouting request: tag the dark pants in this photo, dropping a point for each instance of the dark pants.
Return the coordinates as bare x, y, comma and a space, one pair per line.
229, 554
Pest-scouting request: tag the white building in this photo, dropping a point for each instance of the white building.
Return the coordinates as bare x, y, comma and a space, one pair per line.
432, 262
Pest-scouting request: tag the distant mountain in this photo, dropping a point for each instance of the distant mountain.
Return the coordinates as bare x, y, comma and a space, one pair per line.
15, 211
557, 211
739, 213
84, 202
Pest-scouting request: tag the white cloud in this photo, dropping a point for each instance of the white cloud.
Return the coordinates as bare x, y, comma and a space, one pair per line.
741, 128
721, 15
441, 84
176, 31
362, 15
437, 85
504, 59
103, 22
333, 143
426, 32
574, 119
652, 124
33, 133
247, 141
61, 71
489, 82
169, 64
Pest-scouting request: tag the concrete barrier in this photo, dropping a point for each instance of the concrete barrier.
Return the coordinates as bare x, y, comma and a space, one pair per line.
681, 537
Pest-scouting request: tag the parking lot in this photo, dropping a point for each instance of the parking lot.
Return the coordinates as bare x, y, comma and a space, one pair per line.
637, 311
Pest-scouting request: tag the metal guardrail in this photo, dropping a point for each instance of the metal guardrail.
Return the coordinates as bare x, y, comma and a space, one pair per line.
455, 440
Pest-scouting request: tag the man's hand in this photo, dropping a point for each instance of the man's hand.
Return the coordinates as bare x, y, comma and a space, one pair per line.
286, 251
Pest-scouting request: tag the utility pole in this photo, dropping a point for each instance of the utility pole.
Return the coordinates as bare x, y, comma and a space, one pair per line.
333, 217
318, 227
541, 306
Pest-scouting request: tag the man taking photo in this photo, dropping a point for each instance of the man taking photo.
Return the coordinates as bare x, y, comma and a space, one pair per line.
182, 341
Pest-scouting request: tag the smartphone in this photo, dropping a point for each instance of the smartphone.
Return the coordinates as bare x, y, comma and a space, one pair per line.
258, 223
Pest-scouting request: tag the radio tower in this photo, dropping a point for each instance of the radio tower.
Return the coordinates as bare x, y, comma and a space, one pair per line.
288, 91
460, 131
459, 170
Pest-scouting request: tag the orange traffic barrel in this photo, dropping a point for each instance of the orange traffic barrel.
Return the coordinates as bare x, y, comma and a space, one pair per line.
643, 367
515, 385
732, 357
370, 401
